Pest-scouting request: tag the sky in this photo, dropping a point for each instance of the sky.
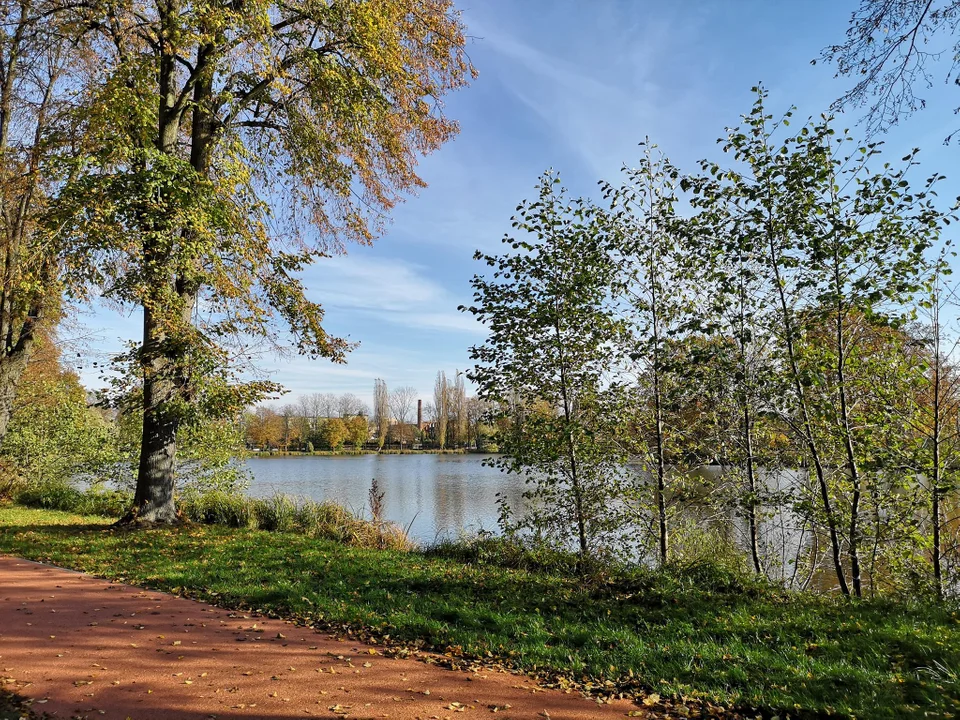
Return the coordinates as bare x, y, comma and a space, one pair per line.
572, 85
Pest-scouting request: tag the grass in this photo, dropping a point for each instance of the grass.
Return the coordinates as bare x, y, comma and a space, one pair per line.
279, 513
698, 632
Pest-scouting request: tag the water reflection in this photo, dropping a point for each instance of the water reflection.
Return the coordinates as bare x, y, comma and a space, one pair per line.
437, 496
445, 496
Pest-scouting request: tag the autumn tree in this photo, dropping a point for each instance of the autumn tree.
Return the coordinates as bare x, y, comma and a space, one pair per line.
359, 431
54, 435
264, 427
201, 113
333, 434
36, 53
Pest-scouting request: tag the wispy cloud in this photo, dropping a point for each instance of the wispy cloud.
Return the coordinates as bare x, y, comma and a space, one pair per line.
394, 291
609, 87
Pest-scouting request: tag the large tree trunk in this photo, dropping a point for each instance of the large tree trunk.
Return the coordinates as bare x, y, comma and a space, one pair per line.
12, 366
156, 475
161, 360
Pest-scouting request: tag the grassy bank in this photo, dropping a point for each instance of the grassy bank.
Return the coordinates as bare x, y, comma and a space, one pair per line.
279, 513
697, 632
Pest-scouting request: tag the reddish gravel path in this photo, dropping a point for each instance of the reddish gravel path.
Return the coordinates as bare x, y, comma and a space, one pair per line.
80, 646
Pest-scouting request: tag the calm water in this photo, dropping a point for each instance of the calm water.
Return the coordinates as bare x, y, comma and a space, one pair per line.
440, 496
435, 495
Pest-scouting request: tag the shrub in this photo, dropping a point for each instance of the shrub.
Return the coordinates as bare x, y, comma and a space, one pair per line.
219, 508
11, 482
330, 521
275, 514
59, 495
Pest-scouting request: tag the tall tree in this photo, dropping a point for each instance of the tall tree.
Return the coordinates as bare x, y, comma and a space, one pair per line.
202, 113
544, 303
36, 53
939, 418
381, 411
441, 411
656, 290
457, 411
839, 241
737, 314
402, 402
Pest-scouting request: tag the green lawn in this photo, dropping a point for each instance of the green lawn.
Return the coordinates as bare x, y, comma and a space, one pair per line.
693, 634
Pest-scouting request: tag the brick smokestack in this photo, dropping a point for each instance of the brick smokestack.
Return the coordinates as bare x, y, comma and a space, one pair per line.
419, 414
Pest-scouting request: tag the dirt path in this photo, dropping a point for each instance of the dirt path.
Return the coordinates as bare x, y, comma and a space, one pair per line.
79, 646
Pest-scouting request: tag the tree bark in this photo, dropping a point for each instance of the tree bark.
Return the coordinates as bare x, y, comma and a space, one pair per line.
156, 475
575, 479
12, 365
936, 476
852, 467
752, 488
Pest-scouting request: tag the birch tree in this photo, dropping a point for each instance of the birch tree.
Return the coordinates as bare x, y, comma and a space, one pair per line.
838, 239
656, 304
544, 302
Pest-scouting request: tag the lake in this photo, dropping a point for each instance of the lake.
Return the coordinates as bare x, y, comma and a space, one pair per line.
446, 496
437, 496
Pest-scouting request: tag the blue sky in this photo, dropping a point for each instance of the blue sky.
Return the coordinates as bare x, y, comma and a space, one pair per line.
574, 86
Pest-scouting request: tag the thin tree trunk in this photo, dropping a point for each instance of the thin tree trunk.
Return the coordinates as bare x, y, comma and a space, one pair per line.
752, 488
809, 439
852, 467
935, 479
572, 455
663, 529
